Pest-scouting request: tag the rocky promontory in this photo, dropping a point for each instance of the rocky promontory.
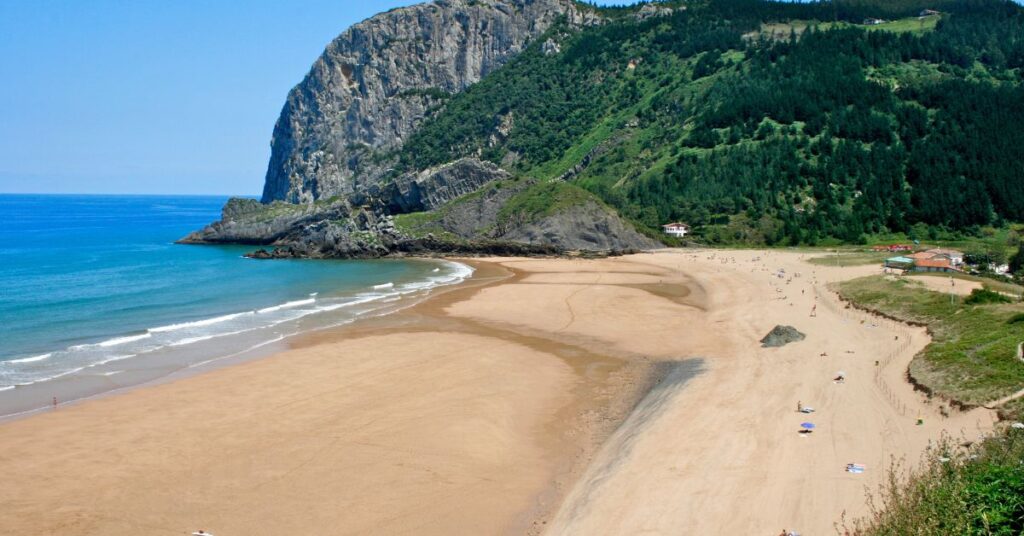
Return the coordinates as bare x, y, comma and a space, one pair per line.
332, 188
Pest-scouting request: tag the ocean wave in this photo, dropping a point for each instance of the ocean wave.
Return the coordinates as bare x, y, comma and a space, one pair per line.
198, 323
123, 340
286, 305
32, 359
6, 388
74, 359
193, 340
111, 359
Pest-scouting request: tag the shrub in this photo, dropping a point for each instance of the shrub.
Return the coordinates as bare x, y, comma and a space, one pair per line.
981, 296
978, 491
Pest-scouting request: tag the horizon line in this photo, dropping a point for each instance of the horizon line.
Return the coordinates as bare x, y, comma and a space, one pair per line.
131, 194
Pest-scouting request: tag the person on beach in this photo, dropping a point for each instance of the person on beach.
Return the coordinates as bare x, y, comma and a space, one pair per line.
799, 406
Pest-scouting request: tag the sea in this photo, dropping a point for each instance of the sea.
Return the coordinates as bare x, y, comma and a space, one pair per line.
94, 289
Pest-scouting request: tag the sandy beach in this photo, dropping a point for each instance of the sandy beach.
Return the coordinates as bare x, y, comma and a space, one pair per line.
626, 395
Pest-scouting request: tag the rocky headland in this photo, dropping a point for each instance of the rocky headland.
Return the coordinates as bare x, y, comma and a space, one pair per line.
333, 186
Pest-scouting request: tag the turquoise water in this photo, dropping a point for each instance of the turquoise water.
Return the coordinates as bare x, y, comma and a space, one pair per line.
90, 280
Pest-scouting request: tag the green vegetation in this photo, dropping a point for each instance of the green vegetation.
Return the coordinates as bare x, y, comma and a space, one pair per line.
850, 258
982, 296
909, 24
975, 491
543, 200
718, 116
972, 357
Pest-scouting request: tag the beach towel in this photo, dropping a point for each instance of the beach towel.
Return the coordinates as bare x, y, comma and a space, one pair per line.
855, 468
807, 410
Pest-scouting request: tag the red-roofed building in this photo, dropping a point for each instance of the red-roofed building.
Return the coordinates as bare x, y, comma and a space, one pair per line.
933, 265
892, 247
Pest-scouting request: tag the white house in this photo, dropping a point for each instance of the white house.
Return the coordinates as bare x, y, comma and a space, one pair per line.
676, 229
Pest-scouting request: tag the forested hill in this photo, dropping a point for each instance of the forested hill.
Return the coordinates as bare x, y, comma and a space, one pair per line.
761, 122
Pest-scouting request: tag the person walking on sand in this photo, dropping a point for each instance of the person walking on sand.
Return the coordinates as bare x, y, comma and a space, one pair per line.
814, 310
799, 407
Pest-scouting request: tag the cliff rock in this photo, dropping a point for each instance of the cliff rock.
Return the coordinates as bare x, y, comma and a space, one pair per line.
376, 81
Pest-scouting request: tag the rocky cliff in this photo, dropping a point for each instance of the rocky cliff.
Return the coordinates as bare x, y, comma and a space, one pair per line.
378, 79
331, 189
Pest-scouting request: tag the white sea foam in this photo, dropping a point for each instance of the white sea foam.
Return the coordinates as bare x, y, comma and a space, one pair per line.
32, 359
7, 388
54, 377
199, 323
26, 371
286, 305
111, 359
123, 340
358, 301
192, 340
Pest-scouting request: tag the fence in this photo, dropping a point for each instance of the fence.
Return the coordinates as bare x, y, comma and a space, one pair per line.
868, 320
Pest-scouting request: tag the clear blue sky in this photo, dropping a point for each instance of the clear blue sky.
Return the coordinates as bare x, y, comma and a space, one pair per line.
153, 96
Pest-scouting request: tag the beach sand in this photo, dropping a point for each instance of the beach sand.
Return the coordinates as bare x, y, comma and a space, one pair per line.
617, 396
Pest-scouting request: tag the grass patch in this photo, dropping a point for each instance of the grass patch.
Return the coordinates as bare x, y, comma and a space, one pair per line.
421, 224
972, 357
852, 258
983, 296
542, 200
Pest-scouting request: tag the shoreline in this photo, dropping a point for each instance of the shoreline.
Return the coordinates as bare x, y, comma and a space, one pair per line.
541, 396
167, 364
599, 388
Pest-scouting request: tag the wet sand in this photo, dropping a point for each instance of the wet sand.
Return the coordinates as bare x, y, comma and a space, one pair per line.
616, 396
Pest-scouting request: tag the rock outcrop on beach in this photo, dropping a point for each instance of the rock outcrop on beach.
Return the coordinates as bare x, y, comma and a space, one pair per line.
461, 204
378, 79
781, 336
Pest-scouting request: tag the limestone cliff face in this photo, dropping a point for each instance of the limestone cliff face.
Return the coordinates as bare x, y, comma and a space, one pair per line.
376, 81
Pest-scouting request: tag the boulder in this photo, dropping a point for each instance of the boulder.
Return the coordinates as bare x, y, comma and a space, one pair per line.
781, 336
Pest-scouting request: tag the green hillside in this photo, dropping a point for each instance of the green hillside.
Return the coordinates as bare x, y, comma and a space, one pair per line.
764, 122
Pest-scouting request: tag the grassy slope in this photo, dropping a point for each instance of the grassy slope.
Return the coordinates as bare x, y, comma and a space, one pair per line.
976, 491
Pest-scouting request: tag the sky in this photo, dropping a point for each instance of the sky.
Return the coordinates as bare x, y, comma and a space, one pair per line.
151, 96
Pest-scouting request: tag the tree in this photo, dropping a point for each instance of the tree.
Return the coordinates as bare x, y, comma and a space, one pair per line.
1017, 263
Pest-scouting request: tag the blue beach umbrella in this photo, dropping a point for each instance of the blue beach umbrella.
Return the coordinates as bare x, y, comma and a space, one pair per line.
807, 425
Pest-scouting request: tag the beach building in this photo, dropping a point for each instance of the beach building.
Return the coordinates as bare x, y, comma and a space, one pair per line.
956, 258
892, 247
676, 229
934, 265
